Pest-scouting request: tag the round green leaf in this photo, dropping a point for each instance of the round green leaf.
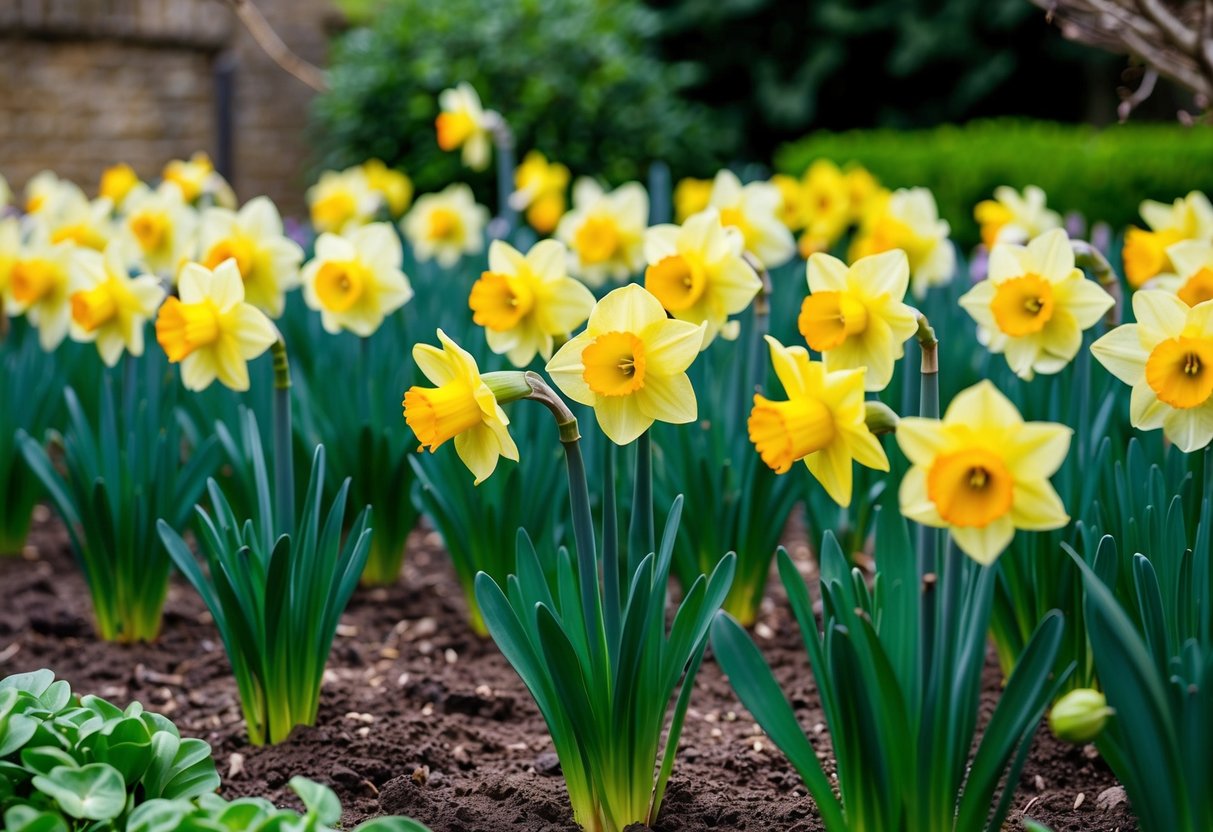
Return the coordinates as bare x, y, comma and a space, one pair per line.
92, 792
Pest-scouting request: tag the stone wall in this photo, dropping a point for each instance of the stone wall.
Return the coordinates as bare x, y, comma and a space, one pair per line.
86, 83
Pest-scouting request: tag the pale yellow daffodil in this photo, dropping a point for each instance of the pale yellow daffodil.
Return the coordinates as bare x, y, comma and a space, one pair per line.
822, 422
526, 302
109, 307
855, 315
341, 200
629, 364
982, 472
461, 407
447, 225
908, 219
394, 187
159, 227
1011, 217
355, 280
197, 178
210, 330
1034, 304
1145, 252
464, 123
268, 261
605, 231
39, 288
74, 219
698, 272
43, 189
1167, 358
753, 209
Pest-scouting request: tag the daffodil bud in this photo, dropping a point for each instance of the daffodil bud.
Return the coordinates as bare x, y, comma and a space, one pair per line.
507, 385
879, 417
1079, 716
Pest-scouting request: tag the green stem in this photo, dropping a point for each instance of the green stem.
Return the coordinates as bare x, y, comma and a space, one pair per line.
284, 474
610, 549
928, 538
503, 138
755, 374
641, 532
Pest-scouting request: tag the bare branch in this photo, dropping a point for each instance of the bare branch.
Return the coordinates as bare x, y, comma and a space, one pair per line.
265, 36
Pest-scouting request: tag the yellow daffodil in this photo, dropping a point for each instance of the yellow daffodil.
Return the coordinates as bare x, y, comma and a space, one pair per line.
74, 219
698, 273
1034, 304
863, 189
446, 225
109, 307
526, 302
1193, 277
629, 364
341, 200
461, 407
160, 229
198, 178
909, 220
822, 422
267, 260
1014, 218
10, 251
117, 181
41, 191
393, 186
464, 123
690, 197
791, 195
605, 231
982, 472
1167, 358
753, 210
355, 280
1145, 252
210, 330
855, 316
540, 188
825, 206
38, 288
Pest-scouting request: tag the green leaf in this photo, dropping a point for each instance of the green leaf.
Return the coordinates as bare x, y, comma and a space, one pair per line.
319, 800
36, 682
159, 815
391, 825
29, 819
93, 792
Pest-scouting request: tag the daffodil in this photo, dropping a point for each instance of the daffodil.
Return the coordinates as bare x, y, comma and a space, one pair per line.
753, 209
42, 189
341, 200
1034, 304
117, 181
38, 288
210, 330
822, 422
198, 178
73, 218
160, 227
825, 206
1014, 218
446, 225
267, 260
1193, 277
690, 197
605, 231
464, 123
355, 280
982, 472
909, 220
698, 272
461, 407
393, 186
1167, 358
1145, 252
629, 364
855, 315
10, 251
526, 302
109, 307
540, 188
791, 195
863, 189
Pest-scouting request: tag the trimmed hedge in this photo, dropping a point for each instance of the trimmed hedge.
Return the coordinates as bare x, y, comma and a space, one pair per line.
1103, 174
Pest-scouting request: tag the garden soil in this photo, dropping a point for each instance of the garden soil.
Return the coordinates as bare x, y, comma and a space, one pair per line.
420, 717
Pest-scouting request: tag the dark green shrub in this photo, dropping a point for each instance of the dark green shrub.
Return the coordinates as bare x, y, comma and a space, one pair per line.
574, 79
1103, 174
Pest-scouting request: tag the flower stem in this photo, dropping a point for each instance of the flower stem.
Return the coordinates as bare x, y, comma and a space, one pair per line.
284, 474
503, 139
760, 324
641, 533
928, 538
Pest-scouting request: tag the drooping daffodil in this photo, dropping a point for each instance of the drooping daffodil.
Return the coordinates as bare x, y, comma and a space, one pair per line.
630, 364
753, 209
908, 219
1167, 358
268, 260
1035, 304
982, 472
447, 225
822, 422
855, 315
698, 272
1145, 252
210, 330
605, 231
1011, 217
355, 279
464, 123
461, 407
109, 307
525, 302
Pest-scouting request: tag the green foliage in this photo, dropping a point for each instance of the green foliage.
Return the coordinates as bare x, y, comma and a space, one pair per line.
899, 666
619, 106
82, 763
276, 602
1103, 174
122, 474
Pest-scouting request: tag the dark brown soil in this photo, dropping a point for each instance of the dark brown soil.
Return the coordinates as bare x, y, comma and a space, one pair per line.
420, 717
